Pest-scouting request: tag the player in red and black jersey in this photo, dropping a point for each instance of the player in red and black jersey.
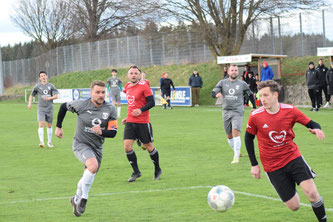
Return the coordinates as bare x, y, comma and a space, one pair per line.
281, 159
137, 124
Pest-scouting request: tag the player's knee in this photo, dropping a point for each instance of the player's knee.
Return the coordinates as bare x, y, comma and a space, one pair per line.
93, 168
294, 207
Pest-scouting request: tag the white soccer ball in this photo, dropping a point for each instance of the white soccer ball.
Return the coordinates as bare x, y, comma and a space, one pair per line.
221, 198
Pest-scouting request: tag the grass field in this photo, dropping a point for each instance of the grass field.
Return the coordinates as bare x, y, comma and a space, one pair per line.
35, 183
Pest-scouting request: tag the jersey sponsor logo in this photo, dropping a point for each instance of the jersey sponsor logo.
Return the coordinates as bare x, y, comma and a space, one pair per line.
277, 137
237, 87
265, 126
96, 122
231, 91
130, 99
105, 115
88, 111
45, 91
142, 82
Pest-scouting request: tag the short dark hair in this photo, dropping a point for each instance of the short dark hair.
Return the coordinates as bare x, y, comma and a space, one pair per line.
97, 83
134, 67
42, 72
114, 70
273, 86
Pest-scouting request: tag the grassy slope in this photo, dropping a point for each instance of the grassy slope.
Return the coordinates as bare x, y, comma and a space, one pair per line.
210, 73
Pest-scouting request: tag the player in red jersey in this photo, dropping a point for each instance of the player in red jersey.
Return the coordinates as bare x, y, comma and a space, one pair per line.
281, 159
137, 125
143, 78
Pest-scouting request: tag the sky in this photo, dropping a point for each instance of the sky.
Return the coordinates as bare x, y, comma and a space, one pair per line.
312, 23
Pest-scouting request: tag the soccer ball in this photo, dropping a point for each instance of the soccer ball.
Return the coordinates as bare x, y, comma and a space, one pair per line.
221, 198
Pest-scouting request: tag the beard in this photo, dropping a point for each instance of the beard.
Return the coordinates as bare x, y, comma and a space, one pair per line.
233, 77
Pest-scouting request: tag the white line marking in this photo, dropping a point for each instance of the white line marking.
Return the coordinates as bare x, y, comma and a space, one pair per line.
157, 190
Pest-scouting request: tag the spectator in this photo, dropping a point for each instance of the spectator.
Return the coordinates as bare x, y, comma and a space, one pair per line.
329, 78
313, 84
266, 72
225, 70
323, 84
195, 82
245, 78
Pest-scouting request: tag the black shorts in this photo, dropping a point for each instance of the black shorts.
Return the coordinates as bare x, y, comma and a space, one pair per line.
141, 131
166, 93
284, 179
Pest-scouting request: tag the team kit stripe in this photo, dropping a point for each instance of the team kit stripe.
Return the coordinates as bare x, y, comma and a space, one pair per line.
157, 190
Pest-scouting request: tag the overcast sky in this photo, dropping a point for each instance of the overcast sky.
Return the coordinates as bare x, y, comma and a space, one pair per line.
11, 34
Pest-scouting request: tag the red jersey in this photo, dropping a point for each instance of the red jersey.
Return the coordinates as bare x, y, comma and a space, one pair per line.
275, 135
146, 82
136, 98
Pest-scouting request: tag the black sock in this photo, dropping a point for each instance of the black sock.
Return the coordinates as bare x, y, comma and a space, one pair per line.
168, 102
154, 157
133, 161
319, 210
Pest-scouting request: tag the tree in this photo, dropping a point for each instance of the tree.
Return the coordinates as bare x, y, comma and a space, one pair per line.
223, 23
43, 20
97, 19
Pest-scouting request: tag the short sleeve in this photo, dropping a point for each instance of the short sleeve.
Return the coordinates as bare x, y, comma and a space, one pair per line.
218, 87
300, 117
251, 126
54, 90
34, 91
74, 106
147, 91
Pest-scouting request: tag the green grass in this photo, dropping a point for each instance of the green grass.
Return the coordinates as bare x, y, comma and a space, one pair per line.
35, 184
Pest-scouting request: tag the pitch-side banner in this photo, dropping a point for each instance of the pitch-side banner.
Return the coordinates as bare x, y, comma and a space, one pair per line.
182, 96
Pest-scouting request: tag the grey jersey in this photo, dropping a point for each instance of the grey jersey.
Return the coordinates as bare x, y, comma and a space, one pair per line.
43, 91
233, 93
114, 83
88, 115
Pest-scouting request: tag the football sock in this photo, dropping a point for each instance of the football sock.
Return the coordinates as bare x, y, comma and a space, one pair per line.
41, 134
237, 146
168, 101
131, 156
231, 143
49, 134
119, 110
154, 157
78, 192
87, 181
319, 209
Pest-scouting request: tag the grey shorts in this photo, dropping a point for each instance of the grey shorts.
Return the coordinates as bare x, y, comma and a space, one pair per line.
115, 96
232, 121
45, 116
83, 152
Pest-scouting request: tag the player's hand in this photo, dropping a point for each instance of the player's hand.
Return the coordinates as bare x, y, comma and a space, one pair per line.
319, 133
136, 112
46, 98
97, 129
58, 132
219, 95
124, 121
255, 170
29, 106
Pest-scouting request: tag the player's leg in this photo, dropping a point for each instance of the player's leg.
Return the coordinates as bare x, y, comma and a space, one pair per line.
228, 128
49, 119
312, 98
236, 123
118, 104
303, 175
41, 133
146, 136
168, 99
130, 134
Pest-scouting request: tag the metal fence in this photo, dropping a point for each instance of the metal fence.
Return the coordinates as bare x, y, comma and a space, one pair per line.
278, 35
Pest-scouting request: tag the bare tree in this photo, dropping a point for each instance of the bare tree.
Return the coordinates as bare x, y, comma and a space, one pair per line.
223, 23
43, 20
95, 19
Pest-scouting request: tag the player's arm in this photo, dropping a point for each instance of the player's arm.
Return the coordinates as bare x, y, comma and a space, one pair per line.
60, 118
111, 130
249, 143
315, 128
30, 101
216, 92
173, 85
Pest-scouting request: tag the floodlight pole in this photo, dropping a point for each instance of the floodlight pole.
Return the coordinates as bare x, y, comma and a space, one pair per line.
1, 76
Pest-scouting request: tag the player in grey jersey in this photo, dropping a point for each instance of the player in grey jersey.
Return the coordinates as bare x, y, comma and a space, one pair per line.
114, 89
96, 120
232, 90
46, 94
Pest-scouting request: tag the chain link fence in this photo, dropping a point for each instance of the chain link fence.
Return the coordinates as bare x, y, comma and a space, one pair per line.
278, 35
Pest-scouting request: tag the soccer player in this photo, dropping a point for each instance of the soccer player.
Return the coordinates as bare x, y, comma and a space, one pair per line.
143, 78
114, 86
96, 120
46, 94
280, 156
137, 125
166, 89
232, 90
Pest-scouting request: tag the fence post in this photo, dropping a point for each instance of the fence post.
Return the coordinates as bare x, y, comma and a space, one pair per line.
163, 50
324, 33
108, 52
72, 58
139, 48
65, 63
253, 39
280, 37
118, 53
272, 34
2, 85
128, 51
98, 56
301, 34
204, 52
81, 62
190, 47
150, 51
57, 55
89, 56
